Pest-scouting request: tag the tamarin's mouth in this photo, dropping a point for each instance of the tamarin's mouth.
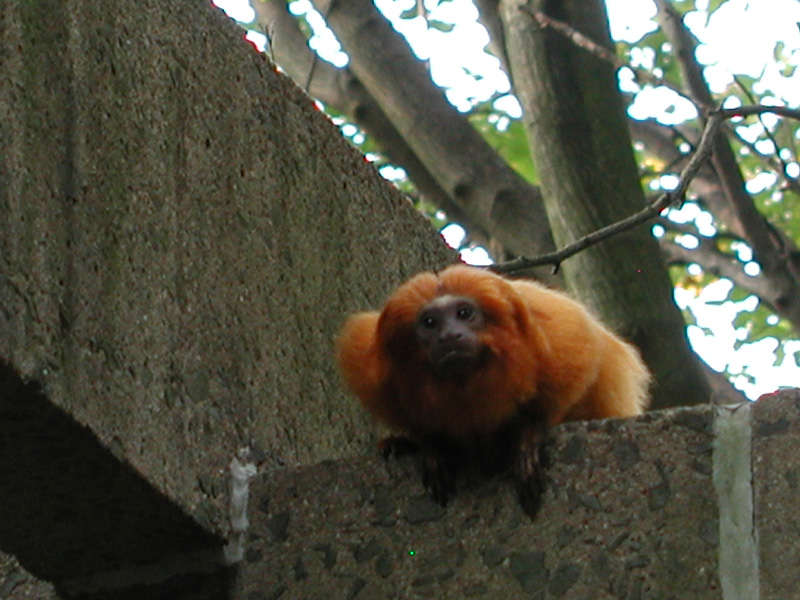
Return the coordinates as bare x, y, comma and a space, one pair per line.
456, 362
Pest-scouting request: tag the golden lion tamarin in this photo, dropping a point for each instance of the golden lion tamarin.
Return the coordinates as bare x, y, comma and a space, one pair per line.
472, 366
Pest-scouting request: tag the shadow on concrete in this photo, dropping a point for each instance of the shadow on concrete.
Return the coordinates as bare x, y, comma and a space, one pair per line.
75, 515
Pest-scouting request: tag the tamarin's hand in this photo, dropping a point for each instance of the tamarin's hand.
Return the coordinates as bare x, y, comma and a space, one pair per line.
470, 365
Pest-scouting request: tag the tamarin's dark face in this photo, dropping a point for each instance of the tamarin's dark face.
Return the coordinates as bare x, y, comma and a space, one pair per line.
448, 330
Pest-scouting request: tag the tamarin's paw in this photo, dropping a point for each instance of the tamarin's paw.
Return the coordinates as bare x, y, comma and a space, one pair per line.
438, 477
529, 468
530, 486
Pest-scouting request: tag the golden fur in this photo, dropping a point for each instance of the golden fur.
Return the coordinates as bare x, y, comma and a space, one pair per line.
546, 353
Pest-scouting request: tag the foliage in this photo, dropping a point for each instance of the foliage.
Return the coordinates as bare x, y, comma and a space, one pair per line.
767, 154
506, 135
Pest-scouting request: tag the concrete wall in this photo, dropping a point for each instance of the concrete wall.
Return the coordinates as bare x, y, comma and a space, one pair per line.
630, 512
182, 234
690, 503
694, 503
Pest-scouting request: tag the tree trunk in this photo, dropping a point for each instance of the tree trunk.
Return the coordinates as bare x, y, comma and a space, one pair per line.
580, 143
466, 167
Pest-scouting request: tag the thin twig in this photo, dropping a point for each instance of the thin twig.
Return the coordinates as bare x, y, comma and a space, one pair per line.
268, 29
715, 120
758, 109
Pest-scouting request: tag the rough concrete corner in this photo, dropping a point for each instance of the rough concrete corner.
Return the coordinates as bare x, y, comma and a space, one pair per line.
183, 233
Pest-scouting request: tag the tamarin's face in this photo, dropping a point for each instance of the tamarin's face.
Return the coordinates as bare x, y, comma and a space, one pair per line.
448, 330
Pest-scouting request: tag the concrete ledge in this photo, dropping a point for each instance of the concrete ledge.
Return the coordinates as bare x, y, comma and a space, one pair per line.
634, 509
183, 232
630, 512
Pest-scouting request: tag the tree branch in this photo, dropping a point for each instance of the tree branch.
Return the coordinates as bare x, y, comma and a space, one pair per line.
704, 149
661, 141
341, 90
481, 183
713, 260
759, 109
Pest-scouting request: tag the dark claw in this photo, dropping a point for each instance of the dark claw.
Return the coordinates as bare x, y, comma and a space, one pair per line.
438, 477
530, 482
529, 468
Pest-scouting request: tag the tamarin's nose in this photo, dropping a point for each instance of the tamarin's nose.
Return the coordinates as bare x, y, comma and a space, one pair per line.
449, 336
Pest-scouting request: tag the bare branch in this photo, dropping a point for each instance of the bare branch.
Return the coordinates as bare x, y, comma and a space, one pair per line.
463, 164
707, 141
661, 140
341, 89
713, 260
759, 109
647, 213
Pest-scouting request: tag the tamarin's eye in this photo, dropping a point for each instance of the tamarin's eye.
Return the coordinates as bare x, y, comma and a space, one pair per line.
428, 322
465, 312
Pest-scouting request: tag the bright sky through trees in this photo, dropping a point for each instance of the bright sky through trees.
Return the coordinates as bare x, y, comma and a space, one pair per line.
739, 38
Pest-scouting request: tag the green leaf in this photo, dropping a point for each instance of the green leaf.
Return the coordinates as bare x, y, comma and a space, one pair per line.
714, 5
441, 25
410, 13
780, 354
738, 294
511, 143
